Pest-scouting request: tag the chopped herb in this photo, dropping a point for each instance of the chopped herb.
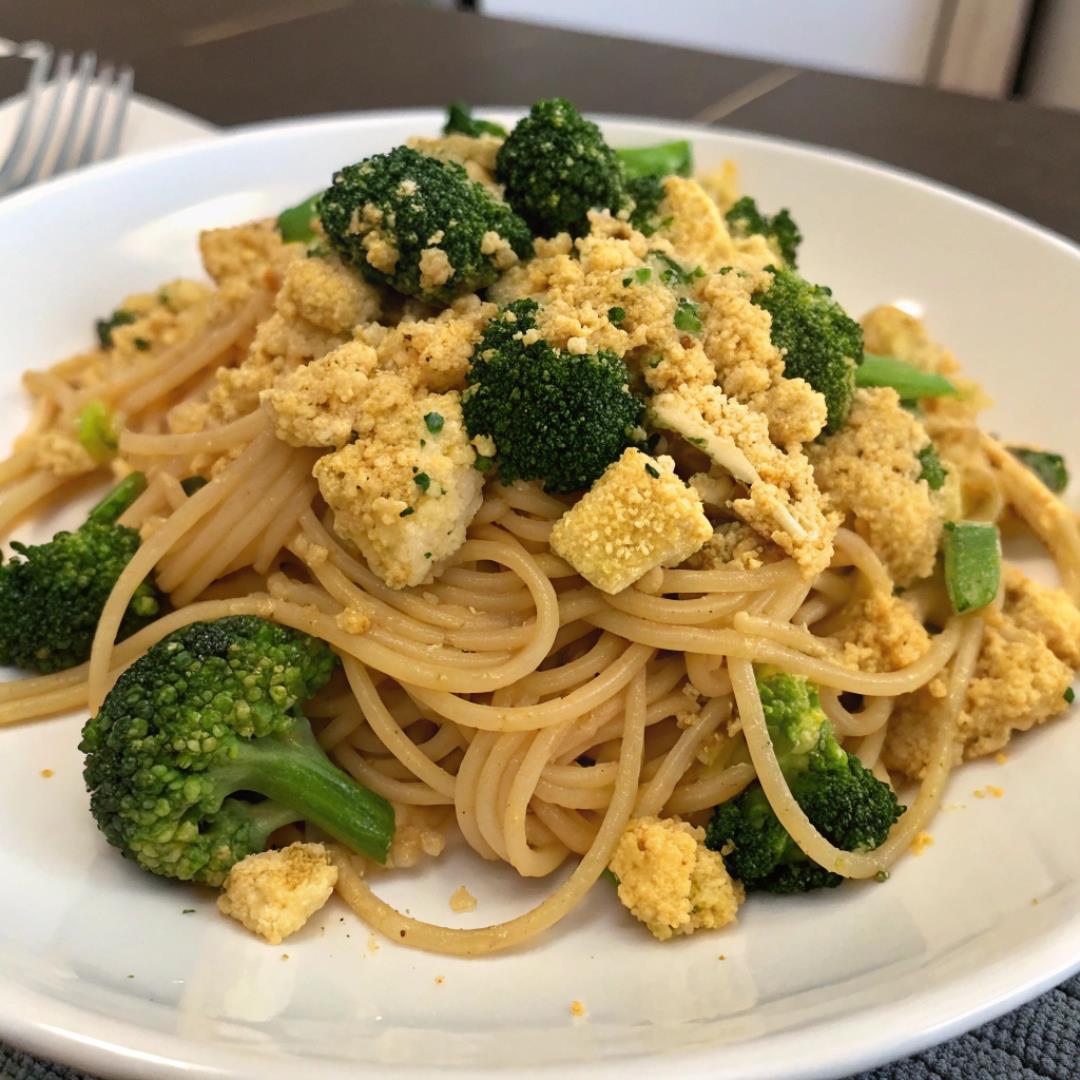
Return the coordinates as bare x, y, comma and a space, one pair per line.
483, 464
423, 442
697, 440
652, 471
434, 422
1049, 468
141, 344
686, 317
972, 555
94, 430
654, 361
609, 875
676, 274
191, 484
881, 876
1069, 695
422, 481
427, 554
105, 327
407, 511
163, 296
616, 314
933, 472
188, 911
294, 224
640, 276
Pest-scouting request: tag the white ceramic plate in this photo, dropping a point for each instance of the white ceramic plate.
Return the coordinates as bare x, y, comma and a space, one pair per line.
100, 968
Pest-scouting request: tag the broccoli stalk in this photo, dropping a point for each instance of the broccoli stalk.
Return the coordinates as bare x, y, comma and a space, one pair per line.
910, 382
52, 597
421, 226
554, 416
846, 803
674, 158
95, 431
207, 718
1049, 467
745, 219
821, 343
294, 223
460, 120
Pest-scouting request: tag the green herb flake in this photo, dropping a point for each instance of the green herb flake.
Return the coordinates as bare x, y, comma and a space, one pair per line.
483, 464
434, 422
407, 511
932, 471
1048, 467
188, 911
1069, 695
972, 555
141, 344
427, 554
686, 317
105, 327
616, 315
652, 471
422, 481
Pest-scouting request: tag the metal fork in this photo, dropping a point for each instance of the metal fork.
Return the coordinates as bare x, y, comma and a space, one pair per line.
51, 139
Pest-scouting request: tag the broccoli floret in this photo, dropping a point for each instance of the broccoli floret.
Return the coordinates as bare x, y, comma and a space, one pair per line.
845, 802
205, 721
821, 343
420, 225
745, 219
459, 118
556, 167
96, 431
51, 598
554, 416
645, 193
932, 471
295, 223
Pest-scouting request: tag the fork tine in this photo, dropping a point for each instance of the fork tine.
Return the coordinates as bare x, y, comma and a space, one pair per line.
39, 72
104, 89
69, 138
60, 84
125, 81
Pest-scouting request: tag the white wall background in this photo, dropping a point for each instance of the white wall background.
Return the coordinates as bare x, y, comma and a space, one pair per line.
888, 39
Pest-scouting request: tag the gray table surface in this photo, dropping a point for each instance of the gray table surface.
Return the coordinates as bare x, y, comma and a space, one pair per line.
241, 61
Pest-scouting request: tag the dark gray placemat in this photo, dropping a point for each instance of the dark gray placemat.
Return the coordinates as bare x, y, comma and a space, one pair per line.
1040, 1041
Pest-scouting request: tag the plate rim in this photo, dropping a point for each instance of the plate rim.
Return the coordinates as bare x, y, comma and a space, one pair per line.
964, 1002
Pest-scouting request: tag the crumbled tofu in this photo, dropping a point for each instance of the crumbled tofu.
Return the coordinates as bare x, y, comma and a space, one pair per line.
353, 620
883, 634
328, 294
416, 835
722, 185
273, 893
403, 493
671, 881
578, 1009
59, 453
734, 544
637, 516
695, 227
921, 842
870, 470
783, 502
318, 403
432, 353
253, 254
462, 900
1024, 667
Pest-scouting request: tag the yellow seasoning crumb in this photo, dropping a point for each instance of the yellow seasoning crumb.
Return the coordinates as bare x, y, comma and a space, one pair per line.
1034, 901
47, 773
462, 900
372, 943
1001, 758
921, 842
721, 957
577, 1008
440, 979
284, 956
995, 791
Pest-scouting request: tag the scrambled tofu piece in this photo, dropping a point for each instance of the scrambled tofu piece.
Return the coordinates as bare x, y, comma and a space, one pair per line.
1026, 663
722, 185
253, 254
273, 893
870, 470
318, 404
734, 545
783, 502
315, 310
671, 881
58, 453
883, 634
476, 155
405, 490
433, 353
637, 516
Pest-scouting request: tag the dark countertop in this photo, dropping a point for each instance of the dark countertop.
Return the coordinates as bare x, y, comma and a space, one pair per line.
242, 61
239, 61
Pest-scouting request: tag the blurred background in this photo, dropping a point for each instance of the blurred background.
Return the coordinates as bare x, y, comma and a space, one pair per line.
994, 48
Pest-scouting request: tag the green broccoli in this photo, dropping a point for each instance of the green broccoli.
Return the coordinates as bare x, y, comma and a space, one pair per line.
556, 167
385, 214
910, 382
51, 598
821, 343
105, 327
207, 719
1049, 467
295, 223
674, 158
932, 471
845, 802
554, 416
459, 119
745, 219
95, 429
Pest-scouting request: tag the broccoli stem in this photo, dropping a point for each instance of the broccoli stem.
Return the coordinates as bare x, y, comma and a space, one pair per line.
1048, 467
295, 774
972, 557
910, 382
664, 159
118, 500
294, 224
